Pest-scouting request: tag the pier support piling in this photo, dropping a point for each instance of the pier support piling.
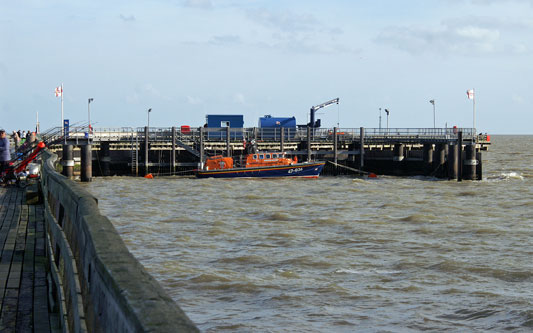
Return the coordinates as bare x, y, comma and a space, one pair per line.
479, 169
453, 158
86, 163
105, 158
397, 158
439, 159
201, 148
335, 150
427, 155
361, 147
173, 154
470, 162
67, 161
460, 156
146, 150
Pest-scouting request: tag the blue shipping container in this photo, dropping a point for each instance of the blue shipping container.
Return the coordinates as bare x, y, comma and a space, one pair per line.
223, 121
269, 122
270, 127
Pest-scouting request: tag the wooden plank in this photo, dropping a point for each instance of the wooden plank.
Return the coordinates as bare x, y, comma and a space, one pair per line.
25, 303
8, 314
23, 288
41, 317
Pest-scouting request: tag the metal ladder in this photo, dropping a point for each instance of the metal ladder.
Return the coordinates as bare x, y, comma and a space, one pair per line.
134, 154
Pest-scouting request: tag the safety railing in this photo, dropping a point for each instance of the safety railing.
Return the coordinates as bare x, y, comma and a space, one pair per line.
97, 284
263, 134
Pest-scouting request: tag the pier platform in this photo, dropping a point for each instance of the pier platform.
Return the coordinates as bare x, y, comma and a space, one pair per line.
23, 287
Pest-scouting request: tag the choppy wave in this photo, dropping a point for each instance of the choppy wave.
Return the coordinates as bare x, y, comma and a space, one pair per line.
336, 254
506, 176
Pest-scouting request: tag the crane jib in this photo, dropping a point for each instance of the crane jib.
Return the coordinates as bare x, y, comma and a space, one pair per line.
312, 123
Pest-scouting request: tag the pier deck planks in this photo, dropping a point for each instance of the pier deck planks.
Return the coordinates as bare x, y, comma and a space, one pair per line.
23, 291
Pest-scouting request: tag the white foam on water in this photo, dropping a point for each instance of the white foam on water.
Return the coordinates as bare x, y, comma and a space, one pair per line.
512, 175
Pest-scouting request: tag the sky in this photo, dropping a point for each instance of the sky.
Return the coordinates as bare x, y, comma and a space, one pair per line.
185, 59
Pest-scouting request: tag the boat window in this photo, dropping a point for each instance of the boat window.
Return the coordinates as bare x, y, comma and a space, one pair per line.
255, 157
267, 156
274, 155
261, 156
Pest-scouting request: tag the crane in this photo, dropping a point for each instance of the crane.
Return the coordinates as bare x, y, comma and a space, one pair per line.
314, 123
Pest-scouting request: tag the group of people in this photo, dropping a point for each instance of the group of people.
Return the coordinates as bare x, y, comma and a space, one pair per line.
5, 154
19, 138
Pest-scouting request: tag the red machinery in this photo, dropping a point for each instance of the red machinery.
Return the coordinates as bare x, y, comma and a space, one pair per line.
16, 167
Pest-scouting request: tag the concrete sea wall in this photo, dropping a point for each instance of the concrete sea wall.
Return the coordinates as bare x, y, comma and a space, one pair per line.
95, 282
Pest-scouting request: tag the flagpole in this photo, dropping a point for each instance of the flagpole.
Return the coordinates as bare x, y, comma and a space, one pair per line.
474, 112
62, 118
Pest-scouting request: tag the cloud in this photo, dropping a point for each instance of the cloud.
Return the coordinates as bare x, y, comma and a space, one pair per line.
145, 91
466, 36
490, 2
129, 18
225, 40
202, 4
284, 21
296, 33
239, 99
518, 99
194, 100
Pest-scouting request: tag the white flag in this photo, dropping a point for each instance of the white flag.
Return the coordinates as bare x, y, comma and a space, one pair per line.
470, 93
59, 91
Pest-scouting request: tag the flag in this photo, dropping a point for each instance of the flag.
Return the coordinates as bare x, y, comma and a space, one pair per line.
470, 93
59, 91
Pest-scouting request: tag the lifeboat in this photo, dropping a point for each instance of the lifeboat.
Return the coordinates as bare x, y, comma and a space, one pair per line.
261, 165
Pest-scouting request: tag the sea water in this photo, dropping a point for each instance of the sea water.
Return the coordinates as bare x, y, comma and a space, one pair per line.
339, 254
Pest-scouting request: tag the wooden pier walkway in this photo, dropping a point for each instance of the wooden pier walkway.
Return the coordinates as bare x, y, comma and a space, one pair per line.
23, 288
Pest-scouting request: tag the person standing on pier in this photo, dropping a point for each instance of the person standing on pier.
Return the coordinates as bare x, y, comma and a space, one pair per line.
5, 155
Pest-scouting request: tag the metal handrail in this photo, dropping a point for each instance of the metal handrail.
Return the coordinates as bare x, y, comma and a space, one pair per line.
262, 134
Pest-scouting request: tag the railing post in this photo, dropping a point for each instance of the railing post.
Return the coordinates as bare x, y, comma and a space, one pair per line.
308, 143
228, 142
282, 139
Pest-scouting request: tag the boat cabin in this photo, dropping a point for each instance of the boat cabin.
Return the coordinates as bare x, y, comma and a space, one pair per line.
261, 159
268, 159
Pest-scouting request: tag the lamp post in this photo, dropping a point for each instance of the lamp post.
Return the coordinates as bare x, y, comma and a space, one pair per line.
380, 120
433, 102
387, 111
149, 110
89, 116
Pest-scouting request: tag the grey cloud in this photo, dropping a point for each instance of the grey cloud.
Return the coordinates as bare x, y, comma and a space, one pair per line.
129, 18
225, 40
203, 4
284, 21
297, 33
489, 2
471, 35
